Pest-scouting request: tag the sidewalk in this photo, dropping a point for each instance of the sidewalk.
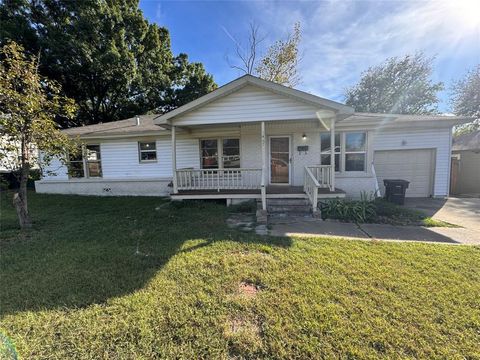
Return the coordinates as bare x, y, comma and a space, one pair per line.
305, 226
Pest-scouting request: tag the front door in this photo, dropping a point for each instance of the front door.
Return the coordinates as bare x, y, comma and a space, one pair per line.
280, 160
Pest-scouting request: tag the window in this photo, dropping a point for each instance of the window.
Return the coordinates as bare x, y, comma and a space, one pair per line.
93, 159
87, 163
355, 151
325, 150
76, 167
231, 153
209, 154
228, 148
350, 151
147, 151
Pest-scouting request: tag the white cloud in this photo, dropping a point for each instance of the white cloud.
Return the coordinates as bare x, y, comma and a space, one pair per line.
343, 38
159, 14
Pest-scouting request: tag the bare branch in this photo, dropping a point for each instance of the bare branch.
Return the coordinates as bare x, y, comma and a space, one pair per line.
247, 56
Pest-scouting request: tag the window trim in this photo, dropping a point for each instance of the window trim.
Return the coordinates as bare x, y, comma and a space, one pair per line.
220, 164
85, 162
140, 151
200, 147
335, 152
364, 152
344, 152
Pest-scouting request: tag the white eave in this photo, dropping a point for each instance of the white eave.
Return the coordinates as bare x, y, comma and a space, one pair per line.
375, 120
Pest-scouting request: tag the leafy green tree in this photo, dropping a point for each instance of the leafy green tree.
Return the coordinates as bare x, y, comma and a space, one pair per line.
192, 81
399, 85
466, 100
29, 104
105, 55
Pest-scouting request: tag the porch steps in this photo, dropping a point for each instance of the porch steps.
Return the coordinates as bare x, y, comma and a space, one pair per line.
289, 206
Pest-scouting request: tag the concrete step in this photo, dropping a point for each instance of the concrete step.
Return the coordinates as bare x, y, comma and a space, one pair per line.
289, 206
288, 209
288, 202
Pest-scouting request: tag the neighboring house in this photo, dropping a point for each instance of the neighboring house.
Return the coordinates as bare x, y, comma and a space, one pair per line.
466, 164
10, 156
256, 139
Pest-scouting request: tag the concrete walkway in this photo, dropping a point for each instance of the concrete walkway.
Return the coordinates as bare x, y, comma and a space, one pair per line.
310, 227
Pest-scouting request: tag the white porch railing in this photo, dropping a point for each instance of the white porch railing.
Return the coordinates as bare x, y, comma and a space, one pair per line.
219, 179
317, 177
323, 174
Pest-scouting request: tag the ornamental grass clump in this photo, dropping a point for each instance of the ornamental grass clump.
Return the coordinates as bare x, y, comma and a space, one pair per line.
363, 210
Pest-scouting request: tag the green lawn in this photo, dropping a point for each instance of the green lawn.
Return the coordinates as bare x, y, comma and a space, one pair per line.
73, 287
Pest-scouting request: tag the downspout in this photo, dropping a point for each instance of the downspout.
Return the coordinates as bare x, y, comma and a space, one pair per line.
332, 154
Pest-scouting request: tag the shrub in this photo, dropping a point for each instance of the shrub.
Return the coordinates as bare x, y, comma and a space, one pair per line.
360, 211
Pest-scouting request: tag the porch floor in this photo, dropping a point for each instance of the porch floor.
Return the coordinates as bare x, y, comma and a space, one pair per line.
273, 191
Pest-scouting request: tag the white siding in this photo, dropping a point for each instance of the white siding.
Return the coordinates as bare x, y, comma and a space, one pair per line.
246, 105
437, 139
251, 146
355, 186
120, 159
188, 154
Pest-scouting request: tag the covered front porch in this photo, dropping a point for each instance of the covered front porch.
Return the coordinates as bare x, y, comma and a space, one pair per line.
275, 160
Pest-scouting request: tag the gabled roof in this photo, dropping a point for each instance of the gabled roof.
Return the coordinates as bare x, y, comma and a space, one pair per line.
264, 84
156, 124
469, 141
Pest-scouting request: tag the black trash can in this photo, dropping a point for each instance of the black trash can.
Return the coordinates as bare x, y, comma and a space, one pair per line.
395, 190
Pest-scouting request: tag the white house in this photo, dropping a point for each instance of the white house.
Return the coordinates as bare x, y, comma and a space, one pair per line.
256, 139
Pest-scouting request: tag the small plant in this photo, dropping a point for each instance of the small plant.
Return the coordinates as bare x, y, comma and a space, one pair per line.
360, 211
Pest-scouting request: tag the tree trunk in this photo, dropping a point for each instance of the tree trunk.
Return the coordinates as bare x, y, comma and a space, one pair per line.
20, 199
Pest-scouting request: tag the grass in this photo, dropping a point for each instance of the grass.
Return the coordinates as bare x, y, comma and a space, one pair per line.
73, 287
431, 222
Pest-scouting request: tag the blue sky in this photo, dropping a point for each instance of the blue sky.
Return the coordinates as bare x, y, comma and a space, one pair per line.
340, 39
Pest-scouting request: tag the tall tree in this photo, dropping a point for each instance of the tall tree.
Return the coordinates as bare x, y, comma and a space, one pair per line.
466, 100
104, 53
400, 85
29, 104
280, 61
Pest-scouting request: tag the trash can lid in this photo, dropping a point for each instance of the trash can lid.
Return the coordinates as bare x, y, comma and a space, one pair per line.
395, 181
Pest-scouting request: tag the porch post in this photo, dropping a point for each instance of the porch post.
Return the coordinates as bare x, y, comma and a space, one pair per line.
174, 160
332, 154
264, 168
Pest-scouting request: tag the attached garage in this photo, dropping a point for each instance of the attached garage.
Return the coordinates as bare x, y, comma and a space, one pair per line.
414, 165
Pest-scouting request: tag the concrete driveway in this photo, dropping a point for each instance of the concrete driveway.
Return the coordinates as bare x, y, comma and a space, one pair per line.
464, 212
459, 211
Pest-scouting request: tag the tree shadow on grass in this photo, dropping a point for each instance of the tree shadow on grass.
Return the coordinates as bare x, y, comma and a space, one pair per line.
86, 250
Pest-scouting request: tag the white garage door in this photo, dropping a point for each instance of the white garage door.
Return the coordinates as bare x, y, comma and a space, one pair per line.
416, 166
